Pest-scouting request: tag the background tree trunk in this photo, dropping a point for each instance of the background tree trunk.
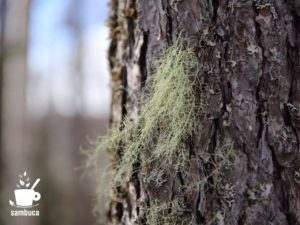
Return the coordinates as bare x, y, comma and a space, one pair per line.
249, 55
2, 23
13, 96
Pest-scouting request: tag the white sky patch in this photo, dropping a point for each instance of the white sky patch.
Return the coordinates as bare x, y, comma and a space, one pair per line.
52, 83
97, 94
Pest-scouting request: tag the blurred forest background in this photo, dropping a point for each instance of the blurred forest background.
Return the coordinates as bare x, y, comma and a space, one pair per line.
55, 96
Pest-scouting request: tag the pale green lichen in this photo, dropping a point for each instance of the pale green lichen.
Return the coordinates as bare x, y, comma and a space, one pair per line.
166, 119
158, 136
218, 219
167, 213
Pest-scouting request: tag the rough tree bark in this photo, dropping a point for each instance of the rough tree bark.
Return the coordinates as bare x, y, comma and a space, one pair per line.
250, 54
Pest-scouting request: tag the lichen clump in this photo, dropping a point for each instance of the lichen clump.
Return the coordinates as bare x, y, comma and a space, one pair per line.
165, 122
167, 213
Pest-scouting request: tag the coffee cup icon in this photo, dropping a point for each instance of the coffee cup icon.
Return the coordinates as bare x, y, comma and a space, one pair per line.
25, 197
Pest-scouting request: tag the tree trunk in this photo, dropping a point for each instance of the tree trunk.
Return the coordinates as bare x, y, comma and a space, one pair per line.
13, 98
2, 23
248, 52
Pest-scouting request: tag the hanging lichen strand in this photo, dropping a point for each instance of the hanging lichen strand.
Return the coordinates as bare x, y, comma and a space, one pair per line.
166, 120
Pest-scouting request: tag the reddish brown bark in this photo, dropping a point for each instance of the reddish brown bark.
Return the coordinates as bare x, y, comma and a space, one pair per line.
249, 55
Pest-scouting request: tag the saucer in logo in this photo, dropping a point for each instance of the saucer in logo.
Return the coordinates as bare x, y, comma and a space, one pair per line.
25, 195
